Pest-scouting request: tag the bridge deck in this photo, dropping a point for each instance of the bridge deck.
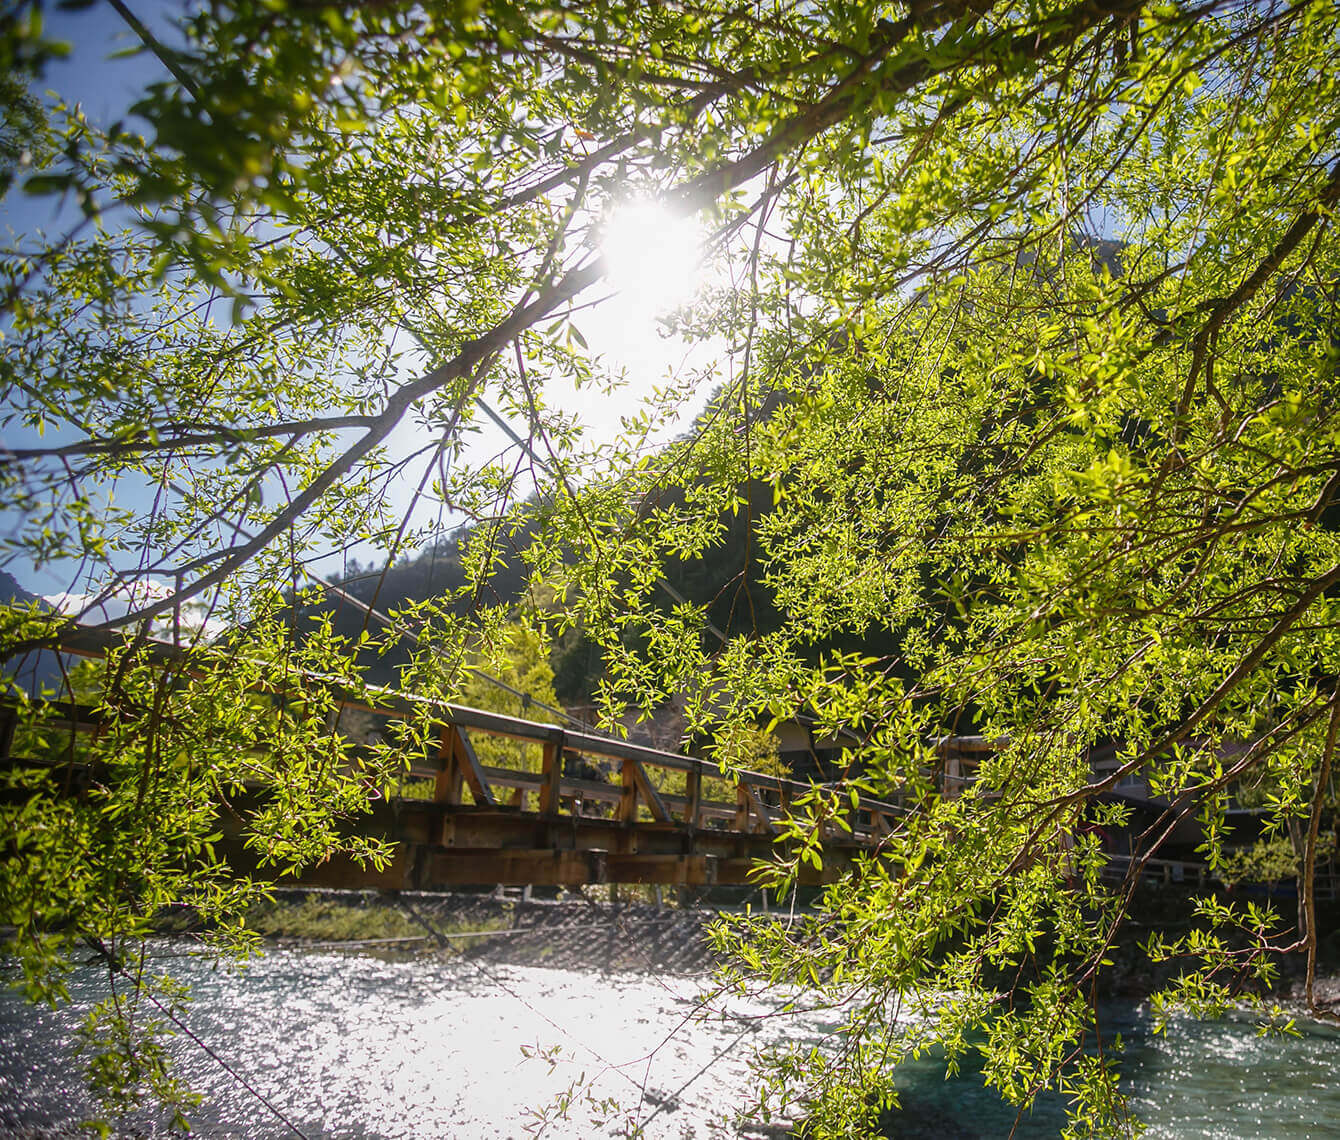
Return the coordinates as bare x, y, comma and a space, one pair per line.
568, 808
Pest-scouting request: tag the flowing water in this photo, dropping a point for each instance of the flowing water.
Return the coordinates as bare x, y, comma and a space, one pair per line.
353, 1046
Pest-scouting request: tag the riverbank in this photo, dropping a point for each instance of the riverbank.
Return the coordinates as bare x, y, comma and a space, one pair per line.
1168, 911
575, 932
579, 932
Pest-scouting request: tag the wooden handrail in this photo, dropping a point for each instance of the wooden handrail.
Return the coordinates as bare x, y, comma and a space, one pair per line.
480, 822
456, 765
397, 704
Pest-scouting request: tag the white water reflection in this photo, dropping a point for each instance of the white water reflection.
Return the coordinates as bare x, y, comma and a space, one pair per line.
355, 1047
349, 1046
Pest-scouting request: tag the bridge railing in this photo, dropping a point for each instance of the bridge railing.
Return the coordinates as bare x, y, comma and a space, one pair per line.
637, 802
571, 772
561, 771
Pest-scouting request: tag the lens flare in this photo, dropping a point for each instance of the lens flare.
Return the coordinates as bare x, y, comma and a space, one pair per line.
653, 256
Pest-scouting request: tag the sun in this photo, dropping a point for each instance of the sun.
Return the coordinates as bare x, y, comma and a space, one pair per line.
653, 255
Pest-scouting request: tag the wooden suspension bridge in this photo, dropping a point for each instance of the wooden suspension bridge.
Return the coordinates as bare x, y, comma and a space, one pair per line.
570, 807
576, 808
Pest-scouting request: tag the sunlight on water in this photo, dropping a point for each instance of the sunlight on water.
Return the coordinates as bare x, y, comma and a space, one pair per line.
1219, 1079
353, 1047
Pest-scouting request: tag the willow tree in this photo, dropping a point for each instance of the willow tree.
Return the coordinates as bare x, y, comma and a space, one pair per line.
1032, 341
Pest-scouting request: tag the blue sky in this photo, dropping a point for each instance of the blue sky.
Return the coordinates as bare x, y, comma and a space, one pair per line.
104, 87
105, 81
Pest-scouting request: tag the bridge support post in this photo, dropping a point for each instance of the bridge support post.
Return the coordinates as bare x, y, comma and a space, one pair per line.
450, 779
693, 791
551, 771
628, 792
458, 766
742, 807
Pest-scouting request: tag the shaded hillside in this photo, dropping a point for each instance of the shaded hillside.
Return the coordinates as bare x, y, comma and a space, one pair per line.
33, 672
436, 572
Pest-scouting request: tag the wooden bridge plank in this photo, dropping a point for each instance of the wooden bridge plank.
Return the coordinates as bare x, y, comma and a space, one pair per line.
512, 777
512, 866
592, 790
667, 870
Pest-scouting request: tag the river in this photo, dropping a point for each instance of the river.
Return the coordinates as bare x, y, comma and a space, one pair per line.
348, 1045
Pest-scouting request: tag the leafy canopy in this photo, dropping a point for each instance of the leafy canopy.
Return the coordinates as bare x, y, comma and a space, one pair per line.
1032, 344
